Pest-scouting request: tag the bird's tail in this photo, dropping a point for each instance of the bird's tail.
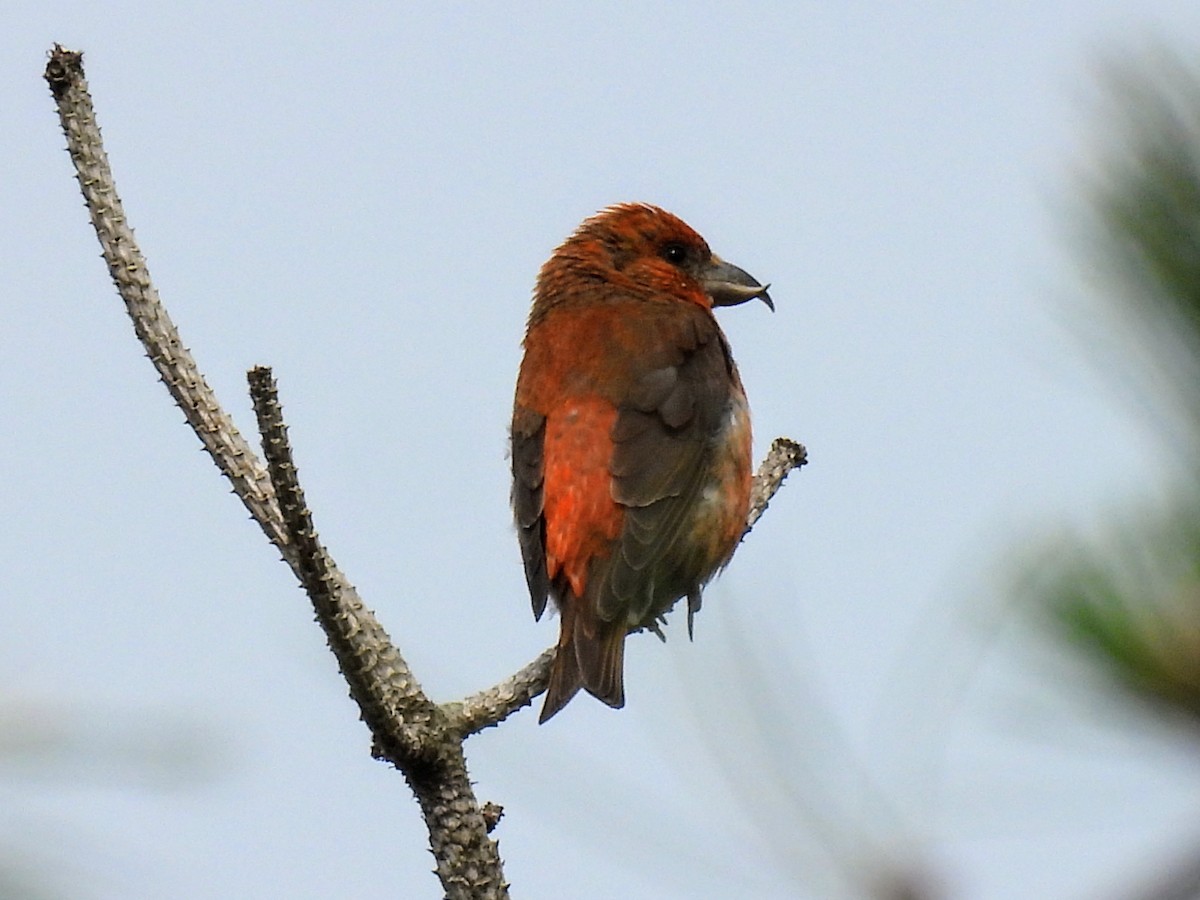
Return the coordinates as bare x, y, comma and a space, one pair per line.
565, 681
591, 655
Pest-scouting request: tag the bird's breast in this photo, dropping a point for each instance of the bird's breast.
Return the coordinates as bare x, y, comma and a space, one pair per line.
720, 515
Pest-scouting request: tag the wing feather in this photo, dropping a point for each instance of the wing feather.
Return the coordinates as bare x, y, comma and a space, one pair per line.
662, 446
528, 439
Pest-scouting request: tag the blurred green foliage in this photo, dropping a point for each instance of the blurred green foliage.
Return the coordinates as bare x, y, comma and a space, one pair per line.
1131, 600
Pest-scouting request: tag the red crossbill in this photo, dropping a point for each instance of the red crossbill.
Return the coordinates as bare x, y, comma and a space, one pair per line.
630, 437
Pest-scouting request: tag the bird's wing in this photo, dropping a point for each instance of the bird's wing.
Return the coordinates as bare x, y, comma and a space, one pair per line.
528, 435
662, 449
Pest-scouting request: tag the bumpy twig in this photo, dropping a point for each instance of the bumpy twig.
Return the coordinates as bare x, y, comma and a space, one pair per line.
497, 703
785, 455
409, 730
393, 704
178, 370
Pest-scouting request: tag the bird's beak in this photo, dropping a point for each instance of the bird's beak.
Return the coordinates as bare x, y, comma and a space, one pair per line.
728, 285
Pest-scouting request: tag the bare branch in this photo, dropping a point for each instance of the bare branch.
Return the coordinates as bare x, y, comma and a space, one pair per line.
392, 702
784, 455
497, 703
409, 730
178, 371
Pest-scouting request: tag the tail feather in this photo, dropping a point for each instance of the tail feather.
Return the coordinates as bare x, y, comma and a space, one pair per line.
565, 681
600, 651
591, 655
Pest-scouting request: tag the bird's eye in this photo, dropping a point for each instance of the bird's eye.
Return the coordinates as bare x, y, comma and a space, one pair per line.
674, 253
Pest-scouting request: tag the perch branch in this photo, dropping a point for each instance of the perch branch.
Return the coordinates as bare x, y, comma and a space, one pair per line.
784, 455
497, 703
494, 705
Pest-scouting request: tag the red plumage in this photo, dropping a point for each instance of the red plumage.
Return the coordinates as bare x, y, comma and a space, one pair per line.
630, 437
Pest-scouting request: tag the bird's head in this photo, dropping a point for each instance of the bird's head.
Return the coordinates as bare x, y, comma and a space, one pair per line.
646, 252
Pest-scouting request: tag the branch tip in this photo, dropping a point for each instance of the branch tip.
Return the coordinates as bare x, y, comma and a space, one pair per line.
62, 67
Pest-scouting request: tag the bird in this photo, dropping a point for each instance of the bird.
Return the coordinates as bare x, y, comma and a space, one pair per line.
630, 439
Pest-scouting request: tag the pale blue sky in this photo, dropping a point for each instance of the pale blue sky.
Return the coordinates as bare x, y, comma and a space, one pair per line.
360, 196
